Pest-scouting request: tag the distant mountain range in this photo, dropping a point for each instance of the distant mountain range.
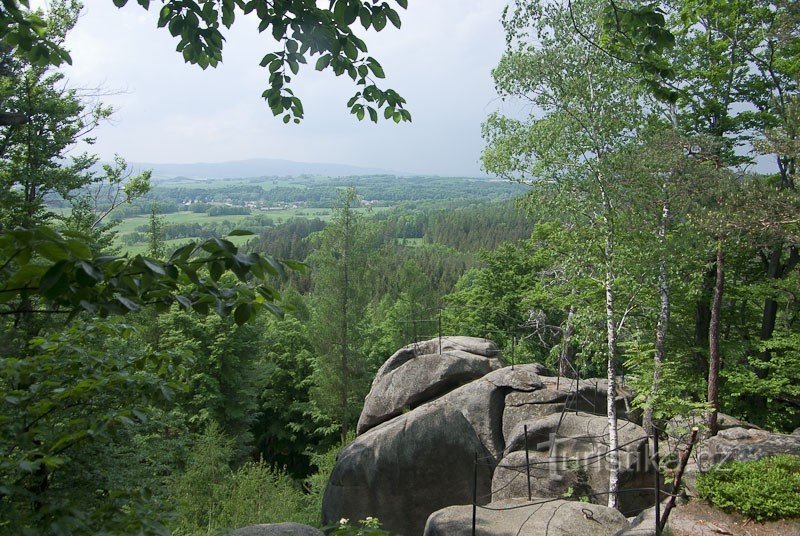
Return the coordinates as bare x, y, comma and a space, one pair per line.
259, 167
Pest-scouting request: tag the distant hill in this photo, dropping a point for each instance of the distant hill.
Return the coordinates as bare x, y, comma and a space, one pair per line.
260, 167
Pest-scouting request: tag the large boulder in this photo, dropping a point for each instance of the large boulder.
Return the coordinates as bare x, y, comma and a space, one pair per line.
421, 461
278, 529
570, 450
679, 428
419, 380
471, 345
404, 469
519, 518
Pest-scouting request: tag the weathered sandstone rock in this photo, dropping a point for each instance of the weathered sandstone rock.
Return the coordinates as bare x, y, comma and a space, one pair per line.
519, 518
278, 529
419, 380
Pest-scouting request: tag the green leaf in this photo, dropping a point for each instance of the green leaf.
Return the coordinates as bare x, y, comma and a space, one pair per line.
379, 21
153, 266
242, 313
393, 17
185, 302
216, 269
376, 68
51, 251
323, 62
54, 282
127, 303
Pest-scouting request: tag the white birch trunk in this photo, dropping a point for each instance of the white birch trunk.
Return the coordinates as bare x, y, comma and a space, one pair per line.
611, 332
663, 318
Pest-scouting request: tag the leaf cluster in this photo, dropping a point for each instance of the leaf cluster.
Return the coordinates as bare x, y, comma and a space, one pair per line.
303, 29
61, 271
25, 32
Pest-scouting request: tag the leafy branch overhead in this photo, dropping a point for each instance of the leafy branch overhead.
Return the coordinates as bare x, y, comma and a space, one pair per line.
26, 31
61, 271
302, 30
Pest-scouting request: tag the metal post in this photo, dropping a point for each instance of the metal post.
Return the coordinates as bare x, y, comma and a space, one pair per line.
484, 328
657, 481
558, 373
513, 349
475, 495
527, 463
594, 401
414, 325
440, 332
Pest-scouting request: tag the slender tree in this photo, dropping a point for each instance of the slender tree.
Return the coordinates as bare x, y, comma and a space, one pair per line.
339, 297
570, 154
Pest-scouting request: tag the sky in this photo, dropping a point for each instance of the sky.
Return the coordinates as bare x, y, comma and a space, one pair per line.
171, 112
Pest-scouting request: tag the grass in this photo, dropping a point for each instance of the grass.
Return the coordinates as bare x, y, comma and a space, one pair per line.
129, 225
172, 245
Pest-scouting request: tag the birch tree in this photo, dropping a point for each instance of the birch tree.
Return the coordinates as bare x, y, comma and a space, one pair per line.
586, 110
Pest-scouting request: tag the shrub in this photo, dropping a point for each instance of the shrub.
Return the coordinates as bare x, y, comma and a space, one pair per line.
211, 498
764, 489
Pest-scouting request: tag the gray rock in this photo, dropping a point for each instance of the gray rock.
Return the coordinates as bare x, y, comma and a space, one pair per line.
744, 444
517, 518
419, 380
519, 378
644, 524
554, 396
278, 529
471, 345
570, 451
546, 479
404, 469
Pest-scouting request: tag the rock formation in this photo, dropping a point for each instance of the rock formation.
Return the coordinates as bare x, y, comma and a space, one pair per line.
430, 415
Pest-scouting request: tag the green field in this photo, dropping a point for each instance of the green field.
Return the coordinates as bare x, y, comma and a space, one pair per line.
129, 225
172, 245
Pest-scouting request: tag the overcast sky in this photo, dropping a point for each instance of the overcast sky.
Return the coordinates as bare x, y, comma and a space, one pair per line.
170, 112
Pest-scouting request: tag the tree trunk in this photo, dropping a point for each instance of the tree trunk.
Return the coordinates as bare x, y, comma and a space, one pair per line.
713, 342
663, 317
611, 331
611, 336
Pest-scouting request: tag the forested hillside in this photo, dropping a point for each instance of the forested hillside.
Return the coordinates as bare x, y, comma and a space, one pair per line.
189, 357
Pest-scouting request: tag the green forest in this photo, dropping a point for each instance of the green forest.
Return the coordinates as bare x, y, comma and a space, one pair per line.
184, 375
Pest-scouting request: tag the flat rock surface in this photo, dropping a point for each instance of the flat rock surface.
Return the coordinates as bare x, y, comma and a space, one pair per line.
520, 518
698, 518
278, 529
